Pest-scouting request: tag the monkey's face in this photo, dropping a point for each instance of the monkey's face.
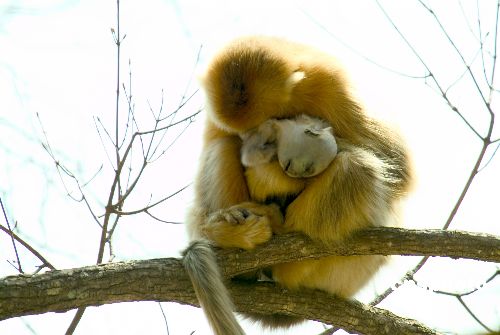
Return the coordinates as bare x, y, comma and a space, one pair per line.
304, 148
259, 145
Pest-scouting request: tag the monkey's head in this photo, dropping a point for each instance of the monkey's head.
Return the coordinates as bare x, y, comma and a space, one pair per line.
305, 146
247, 83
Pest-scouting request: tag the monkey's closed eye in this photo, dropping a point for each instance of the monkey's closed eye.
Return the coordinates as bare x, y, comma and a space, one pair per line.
310, 132
269, 143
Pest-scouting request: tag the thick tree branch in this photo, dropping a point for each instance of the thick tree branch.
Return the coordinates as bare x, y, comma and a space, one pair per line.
349, 315
373, 241
165, 279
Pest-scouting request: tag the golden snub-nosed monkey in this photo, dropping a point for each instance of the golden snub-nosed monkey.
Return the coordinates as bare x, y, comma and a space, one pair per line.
250, 81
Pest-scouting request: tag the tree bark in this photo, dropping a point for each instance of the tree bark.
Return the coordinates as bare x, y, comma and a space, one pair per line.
373, 241
165, 279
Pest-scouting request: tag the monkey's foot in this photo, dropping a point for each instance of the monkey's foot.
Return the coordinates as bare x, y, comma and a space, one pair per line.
242, 226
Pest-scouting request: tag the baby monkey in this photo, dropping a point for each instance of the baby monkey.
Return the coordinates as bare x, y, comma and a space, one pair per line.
304, 146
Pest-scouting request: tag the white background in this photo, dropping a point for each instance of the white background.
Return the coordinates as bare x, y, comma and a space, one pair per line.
58, 60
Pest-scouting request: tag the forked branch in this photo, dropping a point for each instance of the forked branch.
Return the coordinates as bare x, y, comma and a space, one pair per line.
165, 279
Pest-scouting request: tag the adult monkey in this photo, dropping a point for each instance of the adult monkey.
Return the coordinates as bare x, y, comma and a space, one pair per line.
250, 81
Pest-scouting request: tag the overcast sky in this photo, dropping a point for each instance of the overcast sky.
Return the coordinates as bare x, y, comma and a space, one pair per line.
58, 61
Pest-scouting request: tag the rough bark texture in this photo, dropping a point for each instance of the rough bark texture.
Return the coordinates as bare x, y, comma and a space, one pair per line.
349, 315
379, 241
165, 279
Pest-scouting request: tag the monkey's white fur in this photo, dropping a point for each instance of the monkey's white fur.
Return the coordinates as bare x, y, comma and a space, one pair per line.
304, 145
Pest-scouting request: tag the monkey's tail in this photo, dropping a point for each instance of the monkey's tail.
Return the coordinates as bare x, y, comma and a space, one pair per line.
201, 265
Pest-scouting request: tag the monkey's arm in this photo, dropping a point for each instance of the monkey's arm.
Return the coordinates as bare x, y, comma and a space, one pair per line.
352, 193
223, 212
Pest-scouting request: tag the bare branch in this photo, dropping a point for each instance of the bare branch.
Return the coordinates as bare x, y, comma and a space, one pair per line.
116, 182
187, 118
13, 235
431, 74
486, 139
10, 232
61, 169
459, 53
145, 209
165, 279
191, 76
164, 317
357, 52
460, 296
182, 104
493, 70
153, 159
491, 157
379, 241
473, 315
98, 120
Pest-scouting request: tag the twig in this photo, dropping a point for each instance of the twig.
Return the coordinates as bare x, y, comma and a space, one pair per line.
75, 321
98, 120
191, 76
491, 157
19, 267
145, 209
493, 70
111, 232
187, 118
179, 107
486, 142
61, 169
160, 220
190, 121
459, 297
467, 66
116, 182
16, 237
354, 50
164, 317
431, 75
472, 175
473, 315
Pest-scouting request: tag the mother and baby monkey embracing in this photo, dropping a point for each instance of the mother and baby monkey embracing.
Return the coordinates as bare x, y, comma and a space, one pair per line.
287, 148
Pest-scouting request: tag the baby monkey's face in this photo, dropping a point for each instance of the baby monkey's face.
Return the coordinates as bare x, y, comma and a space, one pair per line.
304, 146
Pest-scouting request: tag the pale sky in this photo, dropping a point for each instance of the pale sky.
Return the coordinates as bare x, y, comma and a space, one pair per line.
57, 59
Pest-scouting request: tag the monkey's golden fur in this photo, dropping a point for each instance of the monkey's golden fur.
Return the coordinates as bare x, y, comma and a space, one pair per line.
257, 78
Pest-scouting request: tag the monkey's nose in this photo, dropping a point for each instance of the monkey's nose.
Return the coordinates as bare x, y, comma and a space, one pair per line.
299, 169
308, 169
288, 164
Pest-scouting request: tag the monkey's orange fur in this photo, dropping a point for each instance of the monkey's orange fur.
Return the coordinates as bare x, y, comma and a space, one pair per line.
257, 78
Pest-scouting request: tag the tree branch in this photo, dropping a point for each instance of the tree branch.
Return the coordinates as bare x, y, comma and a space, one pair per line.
373, 241
165, 279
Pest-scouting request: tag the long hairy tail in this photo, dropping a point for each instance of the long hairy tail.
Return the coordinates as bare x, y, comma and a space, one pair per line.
201, 265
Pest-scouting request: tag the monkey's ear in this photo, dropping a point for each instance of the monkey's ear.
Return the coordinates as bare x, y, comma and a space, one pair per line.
295, 78
270, 126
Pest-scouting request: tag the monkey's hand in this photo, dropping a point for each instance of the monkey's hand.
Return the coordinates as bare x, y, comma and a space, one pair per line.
242, 226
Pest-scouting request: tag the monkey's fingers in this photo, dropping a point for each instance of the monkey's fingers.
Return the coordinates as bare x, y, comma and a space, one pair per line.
238, 226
